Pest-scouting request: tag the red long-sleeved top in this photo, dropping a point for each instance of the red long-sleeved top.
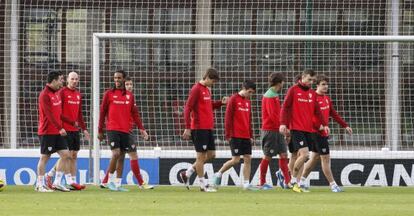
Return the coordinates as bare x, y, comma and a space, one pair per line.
238, 118
198, 111
71, 109
50, 111
299, 108
270, 111
327, 109
117, 108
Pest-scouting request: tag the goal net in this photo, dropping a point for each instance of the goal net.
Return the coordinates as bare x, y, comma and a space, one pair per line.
370, 77
369, 83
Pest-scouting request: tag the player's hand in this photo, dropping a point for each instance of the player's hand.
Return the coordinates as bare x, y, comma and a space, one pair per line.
101, 136
349, 130
76, 124
187, 134
224, 100
62, 132
252, 141
86, 135
327, 130
283, 129
321, 127
144, 134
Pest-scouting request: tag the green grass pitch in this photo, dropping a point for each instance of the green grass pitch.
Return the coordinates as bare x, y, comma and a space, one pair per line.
169, 200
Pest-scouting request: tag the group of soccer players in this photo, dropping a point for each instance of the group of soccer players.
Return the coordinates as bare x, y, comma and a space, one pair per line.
300, 125
60, 123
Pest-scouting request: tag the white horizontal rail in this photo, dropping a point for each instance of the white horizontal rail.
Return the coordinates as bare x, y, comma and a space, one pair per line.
221, 37
385, 154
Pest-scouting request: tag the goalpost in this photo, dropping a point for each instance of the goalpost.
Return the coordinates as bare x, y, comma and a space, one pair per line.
365, 84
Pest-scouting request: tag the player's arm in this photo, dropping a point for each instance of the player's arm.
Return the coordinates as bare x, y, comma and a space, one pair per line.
338, 118
286, 111
324, 122
81, 121
189, 107
102, 115
251, 126
47, 104
228, 119
63, 117
137, 120
219, 103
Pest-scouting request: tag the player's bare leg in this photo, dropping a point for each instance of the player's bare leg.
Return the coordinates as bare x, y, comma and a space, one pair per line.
327, 171
226, 166
40, 186
63, 168
308, 167
303, 155
247, 162
116, 154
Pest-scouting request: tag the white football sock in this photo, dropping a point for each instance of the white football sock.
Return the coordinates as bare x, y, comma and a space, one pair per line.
40, 180
58, 178
189, 171
68, 178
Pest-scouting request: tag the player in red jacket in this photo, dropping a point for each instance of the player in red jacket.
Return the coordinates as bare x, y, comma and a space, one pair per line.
199, 124
239, 133
132, 152
117, 110
273, 142
320, 151
298, 110
73, 122
51, 134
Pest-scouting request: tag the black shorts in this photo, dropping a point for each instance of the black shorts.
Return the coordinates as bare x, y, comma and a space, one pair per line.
132, 143
73, 140
321, 145
300, 139
240, 146
273, 143
203, 140
118, 139
50, 144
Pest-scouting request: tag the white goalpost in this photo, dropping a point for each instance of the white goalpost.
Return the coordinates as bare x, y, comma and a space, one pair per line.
389, 61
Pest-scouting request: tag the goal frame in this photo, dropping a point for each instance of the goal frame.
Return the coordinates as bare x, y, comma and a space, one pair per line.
392, 117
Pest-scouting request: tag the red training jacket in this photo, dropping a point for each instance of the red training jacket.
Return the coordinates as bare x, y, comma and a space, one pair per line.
50, 111
198, 111
238, 118
299, 108
71, 109
117, 108
327, 109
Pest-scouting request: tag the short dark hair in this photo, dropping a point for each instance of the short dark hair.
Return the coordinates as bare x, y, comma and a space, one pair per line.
276, 78
249, 84
309, 72
211, 73
128, 78
321, 78
121, 71
54, 75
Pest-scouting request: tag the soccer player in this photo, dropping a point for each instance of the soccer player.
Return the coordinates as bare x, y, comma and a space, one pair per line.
298, 111
132, 152
72, 119
320, 151
117, 108
239, 133
273, 142
51, 135
199, 122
